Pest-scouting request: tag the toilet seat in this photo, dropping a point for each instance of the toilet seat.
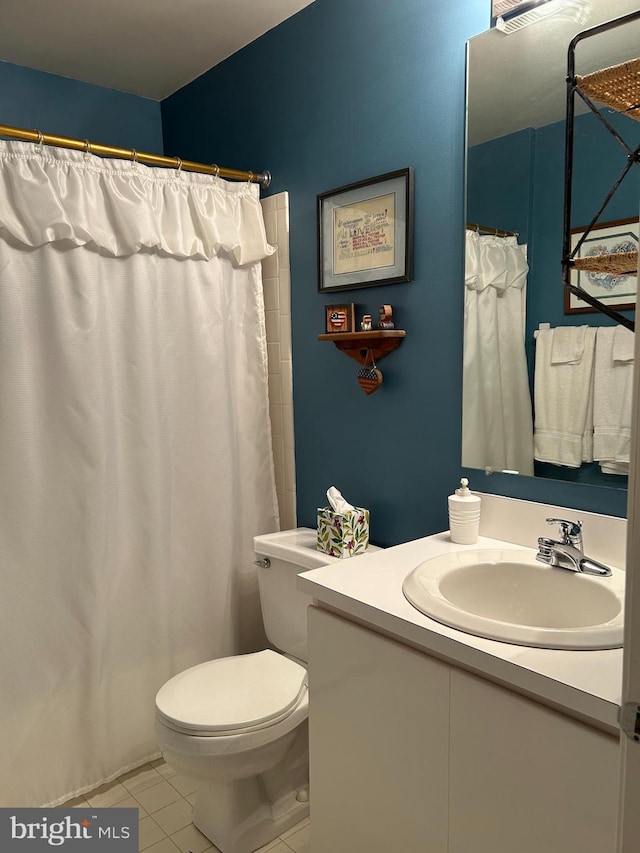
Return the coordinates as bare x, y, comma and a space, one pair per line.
232, 695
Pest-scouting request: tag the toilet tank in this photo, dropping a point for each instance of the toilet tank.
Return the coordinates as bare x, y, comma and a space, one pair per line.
284, 607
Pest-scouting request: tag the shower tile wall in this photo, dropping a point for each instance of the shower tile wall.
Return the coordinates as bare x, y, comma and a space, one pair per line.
277, 301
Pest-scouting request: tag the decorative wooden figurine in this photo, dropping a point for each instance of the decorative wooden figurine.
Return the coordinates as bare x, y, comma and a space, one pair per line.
385, 318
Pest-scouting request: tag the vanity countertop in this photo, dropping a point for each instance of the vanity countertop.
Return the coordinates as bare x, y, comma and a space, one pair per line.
368, 589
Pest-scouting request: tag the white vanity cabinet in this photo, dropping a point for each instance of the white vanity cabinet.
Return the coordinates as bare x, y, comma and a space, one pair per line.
411, 754
526, 778
378, 740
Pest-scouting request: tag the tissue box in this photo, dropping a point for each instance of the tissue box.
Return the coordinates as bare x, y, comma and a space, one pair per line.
343, 534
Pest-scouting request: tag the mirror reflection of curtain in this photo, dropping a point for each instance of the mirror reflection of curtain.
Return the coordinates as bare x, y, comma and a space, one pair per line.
497, 425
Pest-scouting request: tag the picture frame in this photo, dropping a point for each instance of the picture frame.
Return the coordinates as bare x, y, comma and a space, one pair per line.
365, 232
340, 318
616, 291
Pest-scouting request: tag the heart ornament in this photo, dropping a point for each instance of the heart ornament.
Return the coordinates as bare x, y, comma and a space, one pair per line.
369, 379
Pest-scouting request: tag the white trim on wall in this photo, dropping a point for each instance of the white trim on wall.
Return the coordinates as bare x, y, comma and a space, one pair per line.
277, 302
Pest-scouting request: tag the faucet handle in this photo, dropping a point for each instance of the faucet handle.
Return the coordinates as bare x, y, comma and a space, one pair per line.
570, 531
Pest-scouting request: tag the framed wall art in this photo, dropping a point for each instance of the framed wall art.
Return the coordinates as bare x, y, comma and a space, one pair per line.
365, 233
616, 291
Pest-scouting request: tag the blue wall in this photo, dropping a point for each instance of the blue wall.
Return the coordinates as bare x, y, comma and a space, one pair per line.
39, 101
345, 90
499, 183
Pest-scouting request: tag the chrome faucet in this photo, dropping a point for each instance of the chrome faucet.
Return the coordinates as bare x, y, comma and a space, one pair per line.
567, 552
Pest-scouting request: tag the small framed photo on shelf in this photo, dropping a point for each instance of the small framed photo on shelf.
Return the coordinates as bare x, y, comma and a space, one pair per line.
615, 290
340, 318
365, 233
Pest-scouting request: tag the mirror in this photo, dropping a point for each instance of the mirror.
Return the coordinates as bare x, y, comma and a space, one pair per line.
516, 104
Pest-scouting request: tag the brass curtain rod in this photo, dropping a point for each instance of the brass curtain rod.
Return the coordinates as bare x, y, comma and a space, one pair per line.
263, 179
497, 232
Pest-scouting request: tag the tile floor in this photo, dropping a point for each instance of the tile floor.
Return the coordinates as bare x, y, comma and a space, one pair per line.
164, 800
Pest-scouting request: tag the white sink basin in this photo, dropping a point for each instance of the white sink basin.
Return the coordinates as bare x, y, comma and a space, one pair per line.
508, 595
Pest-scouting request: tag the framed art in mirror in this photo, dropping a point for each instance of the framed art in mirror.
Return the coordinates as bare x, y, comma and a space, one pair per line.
365, 232
616, 290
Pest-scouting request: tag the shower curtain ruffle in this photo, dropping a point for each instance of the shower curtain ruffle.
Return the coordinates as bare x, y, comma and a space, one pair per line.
122, 208
494, 262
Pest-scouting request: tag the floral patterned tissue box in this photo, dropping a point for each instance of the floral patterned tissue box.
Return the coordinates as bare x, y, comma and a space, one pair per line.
343, 534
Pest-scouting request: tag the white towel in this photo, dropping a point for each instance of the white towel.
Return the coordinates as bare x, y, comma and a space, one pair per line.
623, 344
612, 392
568, 344
615, 468
563, 393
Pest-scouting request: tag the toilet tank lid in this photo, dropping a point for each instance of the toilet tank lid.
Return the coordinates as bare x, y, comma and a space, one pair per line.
296, 546
231, 694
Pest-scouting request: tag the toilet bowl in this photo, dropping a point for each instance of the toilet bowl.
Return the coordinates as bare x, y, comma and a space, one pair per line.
238, 725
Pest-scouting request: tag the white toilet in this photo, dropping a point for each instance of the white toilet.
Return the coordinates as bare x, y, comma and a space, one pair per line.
239, 725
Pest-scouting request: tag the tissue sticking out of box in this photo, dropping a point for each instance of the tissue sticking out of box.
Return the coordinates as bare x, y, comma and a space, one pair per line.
343, 529
337, 502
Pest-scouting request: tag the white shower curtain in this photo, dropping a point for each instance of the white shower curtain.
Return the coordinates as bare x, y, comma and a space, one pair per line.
135, 453
497, 424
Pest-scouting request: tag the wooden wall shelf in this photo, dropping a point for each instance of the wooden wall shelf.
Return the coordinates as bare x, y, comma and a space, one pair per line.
358, 344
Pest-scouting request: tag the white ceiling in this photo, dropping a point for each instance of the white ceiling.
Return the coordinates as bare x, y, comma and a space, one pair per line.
518, 80
147, 47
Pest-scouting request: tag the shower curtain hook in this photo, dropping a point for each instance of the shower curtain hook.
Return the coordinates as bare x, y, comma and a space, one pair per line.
87, 149
134, 160
251, 177
217, 168
40, 141
179, 166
